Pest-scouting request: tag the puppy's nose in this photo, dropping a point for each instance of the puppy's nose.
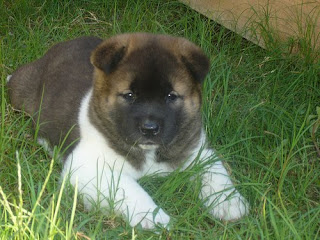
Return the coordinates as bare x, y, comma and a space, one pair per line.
150, 128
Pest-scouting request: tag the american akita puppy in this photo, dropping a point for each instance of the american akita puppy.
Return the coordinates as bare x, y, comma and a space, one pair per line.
133, 102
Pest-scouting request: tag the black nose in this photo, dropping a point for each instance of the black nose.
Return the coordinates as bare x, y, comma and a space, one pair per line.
149, 128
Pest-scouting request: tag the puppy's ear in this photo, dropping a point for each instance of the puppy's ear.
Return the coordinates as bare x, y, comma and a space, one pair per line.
195, 60
109, 54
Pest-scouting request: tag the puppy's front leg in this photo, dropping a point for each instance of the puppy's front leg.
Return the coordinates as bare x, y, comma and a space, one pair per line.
136, 204
120, 191
219, 194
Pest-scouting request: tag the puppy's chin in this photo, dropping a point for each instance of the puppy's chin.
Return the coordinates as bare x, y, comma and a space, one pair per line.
148, 146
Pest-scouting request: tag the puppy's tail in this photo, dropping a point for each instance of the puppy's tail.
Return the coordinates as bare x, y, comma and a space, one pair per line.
8, 78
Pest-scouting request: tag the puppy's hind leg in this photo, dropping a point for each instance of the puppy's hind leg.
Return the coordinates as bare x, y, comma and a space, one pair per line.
46, 146
8, 78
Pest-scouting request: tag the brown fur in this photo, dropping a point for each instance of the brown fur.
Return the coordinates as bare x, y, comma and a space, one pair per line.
58, 82
65, 75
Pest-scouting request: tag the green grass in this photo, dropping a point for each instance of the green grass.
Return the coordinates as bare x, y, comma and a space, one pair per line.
260, 112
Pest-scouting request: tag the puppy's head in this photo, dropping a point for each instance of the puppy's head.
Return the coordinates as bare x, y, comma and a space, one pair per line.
147, 88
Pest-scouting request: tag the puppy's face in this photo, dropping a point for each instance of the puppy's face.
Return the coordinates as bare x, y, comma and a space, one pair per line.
147, 88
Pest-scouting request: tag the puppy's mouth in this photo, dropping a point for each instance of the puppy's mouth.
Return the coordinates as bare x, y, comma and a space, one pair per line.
148, 145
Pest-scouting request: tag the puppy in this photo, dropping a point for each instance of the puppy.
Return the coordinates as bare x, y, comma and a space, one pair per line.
125, 107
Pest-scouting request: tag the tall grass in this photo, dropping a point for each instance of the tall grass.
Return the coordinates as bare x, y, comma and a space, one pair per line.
260, 113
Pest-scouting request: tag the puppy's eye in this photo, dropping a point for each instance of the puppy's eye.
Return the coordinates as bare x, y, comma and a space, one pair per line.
171, 97
129, 97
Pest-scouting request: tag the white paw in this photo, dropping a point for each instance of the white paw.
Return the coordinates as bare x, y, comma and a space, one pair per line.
223, 200
228, 208
46, 146
8, 78
150, 219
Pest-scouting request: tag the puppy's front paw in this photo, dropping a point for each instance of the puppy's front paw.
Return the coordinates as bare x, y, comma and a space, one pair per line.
150, 219
228, 207
219, 194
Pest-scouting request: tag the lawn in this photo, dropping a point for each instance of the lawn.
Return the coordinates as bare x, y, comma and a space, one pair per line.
261, 111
